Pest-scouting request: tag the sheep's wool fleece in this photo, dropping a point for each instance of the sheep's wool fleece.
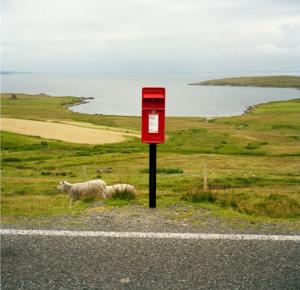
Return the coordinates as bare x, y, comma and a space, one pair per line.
120, 187
92, 187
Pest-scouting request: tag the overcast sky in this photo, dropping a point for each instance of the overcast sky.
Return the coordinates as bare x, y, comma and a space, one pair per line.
150, 35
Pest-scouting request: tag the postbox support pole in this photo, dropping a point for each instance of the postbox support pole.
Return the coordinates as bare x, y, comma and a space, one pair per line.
152, 175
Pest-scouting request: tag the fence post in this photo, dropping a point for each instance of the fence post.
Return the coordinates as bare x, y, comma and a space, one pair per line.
84, 171
205, 186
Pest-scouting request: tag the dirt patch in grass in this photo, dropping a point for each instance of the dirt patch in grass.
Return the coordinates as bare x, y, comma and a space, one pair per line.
64, 132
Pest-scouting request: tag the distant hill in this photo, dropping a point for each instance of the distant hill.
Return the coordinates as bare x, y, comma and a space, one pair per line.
259, 81
5, 72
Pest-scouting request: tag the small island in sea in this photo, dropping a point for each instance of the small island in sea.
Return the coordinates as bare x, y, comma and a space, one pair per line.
282, 81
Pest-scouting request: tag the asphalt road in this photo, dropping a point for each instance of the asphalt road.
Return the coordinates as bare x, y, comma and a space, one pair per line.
43, 262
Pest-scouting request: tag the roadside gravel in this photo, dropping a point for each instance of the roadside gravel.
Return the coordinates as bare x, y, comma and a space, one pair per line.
142, 219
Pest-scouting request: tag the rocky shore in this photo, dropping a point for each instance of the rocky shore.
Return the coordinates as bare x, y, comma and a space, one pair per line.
249, 109
82, 100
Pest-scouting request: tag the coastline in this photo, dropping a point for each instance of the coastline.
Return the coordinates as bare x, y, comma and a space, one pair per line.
246, 110
82, 100
250, 109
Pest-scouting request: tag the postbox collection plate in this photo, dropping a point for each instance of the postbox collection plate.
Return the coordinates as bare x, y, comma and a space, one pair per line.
153, 123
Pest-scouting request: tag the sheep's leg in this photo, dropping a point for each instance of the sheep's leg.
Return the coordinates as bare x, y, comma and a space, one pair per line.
73, 197
104, 195
71, 202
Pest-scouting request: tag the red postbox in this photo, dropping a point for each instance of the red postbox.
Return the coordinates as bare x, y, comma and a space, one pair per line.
153, 115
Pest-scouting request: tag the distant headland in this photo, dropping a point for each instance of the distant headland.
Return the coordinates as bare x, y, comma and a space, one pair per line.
6, 72
282, 81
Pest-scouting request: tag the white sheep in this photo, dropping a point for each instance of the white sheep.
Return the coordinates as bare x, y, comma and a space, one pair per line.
90, 188
111, 189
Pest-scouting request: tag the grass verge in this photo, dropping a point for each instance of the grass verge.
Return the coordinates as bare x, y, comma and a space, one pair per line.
272, 205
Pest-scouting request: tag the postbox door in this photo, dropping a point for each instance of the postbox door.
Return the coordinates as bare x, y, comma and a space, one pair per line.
153, 126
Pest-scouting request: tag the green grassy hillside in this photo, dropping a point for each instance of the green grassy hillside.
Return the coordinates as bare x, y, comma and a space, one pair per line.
253, 162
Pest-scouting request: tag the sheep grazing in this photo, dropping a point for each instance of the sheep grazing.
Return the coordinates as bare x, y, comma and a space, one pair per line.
90, 188
117, 188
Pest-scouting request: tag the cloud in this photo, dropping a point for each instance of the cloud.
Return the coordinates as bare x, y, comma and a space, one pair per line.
269, 48
141, 35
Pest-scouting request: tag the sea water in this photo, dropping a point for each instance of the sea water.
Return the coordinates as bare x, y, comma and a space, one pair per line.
120, 94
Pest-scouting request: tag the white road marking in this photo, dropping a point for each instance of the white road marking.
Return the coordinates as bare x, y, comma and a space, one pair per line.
151, 235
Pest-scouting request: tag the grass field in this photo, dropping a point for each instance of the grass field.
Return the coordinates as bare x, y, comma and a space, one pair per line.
253, 162
265, 81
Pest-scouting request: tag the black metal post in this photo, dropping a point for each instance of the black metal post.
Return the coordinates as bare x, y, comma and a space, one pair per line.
152, 175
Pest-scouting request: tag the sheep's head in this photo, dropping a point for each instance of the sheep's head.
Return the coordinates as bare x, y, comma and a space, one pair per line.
63, 186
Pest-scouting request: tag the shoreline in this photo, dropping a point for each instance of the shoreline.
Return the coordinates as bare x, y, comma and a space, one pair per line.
82, 100
86, 100
247, 109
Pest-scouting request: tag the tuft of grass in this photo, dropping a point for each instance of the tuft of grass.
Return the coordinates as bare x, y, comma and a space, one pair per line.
62, 174
45, 173
89, 199
169, 170
272, 206
254, 145
275, 206
199, 196
123, 195
11, 159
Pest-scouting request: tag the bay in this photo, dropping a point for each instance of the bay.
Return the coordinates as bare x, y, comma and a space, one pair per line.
120, 94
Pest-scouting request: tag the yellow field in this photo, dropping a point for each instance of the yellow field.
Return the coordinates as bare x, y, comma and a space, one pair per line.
65, 132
